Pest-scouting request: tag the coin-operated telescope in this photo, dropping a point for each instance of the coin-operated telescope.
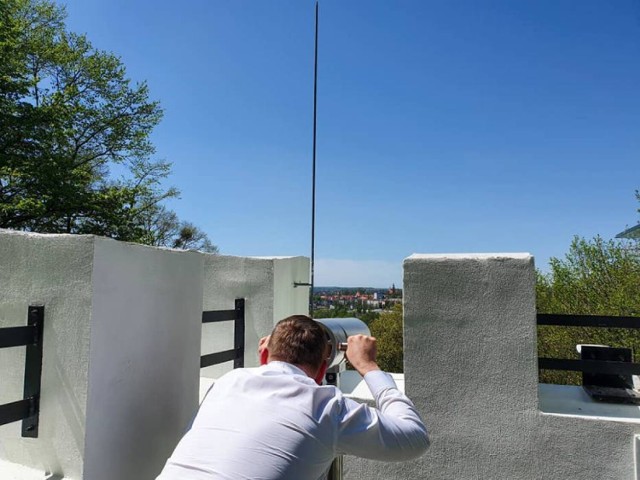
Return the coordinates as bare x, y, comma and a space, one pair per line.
337, 331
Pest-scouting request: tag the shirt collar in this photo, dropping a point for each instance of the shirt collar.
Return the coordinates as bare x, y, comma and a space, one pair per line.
284, 367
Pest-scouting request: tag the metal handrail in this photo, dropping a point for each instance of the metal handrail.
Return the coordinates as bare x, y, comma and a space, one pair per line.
589, 366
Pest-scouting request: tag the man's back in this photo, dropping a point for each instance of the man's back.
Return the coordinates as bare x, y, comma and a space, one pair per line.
276, 422
270, 422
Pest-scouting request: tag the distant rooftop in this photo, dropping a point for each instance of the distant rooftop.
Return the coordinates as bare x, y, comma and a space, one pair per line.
633, 232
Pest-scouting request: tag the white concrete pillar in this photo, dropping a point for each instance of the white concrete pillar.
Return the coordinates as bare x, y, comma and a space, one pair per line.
470, 358
121, 352
144, 359
470, 367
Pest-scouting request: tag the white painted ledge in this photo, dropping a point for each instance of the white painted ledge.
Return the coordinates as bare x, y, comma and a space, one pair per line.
467, 256
11, 471
573, 401
205, 385
354, 386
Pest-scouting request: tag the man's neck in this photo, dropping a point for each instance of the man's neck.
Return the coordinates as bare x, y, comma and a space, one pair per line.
310, 371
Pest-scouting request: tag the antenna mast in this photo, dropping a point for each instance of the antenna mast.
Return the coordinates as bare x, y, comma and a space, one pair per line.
313, 176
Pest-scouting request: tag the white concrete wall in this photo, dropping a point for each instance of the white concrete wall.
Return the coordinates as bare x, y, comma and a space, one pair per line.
121, 352
267, 286
122, 345
288, 299
55, 271
144, 359
470, 368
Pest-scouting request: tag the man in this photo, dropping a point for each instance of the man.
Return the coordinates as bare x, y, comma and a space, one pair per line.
278, 422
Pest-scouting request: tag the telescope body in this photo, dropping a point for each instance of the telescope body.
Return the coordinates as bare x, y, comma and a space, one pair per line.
338, 330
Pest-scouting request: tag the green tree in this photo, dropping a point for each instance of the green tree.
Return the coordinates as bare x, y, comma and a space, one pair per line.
596, 277
68, 116
387, 329
166, 230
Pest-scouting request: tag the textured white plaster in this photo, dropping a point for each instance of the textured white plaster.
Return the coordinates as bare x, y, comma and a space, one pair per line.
225, 279
55, 271
267, 286
470, 368
466, 256
288, 299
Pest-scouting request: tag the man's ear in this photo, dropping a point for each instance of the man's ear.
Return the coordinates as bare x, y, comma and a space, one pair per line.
320, 375
264, 356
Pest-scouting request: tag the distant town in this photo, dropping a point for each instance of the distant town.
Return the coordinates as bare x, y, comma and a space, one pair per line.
355, 300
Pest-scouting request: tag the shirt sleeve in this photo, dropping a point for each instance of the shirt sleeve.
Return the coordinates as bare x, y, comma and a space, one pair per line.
392, 432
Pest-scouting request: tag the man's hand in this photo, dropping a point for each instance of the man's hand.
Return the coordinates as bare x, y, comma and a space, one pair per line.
361, 352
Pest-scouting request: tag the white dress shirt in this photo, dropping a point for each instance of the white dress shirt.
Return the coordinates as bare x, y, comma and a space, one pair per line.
274, 422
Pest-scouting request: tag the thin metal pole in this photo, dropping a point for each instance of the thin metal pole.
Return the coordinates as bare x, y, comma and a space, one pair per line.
337, 466
313, 179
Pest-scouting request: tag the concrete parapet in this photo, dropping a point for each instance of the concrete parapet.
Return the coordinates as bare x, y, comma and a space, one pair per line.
121, 352
470, 366
122, 345
470, 359
267, 284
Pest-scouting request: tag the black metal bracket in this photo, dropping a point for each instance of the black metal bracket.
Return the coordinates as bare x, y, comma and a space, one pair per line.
33, 373
238, 334
237, 353
31, 336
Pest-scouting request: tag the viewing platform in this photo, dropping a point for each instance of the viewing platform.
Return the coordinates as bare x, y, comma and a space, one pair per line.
123, 338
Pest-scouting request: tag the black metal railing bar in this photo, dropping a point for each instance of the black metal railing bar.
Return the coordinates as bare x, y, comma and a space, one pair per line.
219, 316
606, 367
590, 366
31, 336
15, 411
217, 358
588, 321
237, 352
17, 336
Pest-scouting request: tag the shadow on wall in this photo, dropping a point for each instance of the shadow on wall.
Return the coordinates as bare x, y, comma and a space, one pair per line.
71, 408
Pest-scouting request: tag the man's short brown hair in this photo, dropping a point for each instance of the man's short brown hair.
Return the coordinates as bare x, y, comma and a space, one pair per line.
299, 340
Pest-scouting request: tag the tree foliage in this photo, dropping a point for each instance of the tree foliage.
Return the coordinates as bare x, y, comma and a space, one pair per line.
596, 277
387, 329
68, 117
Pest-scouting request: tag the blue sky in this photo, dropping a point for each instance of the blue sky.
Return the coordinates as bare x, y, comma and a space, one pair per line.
443, 126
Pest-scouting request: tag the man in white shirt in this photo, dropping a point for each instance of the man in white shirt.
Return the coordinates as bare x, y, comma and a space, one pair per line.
277, 422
